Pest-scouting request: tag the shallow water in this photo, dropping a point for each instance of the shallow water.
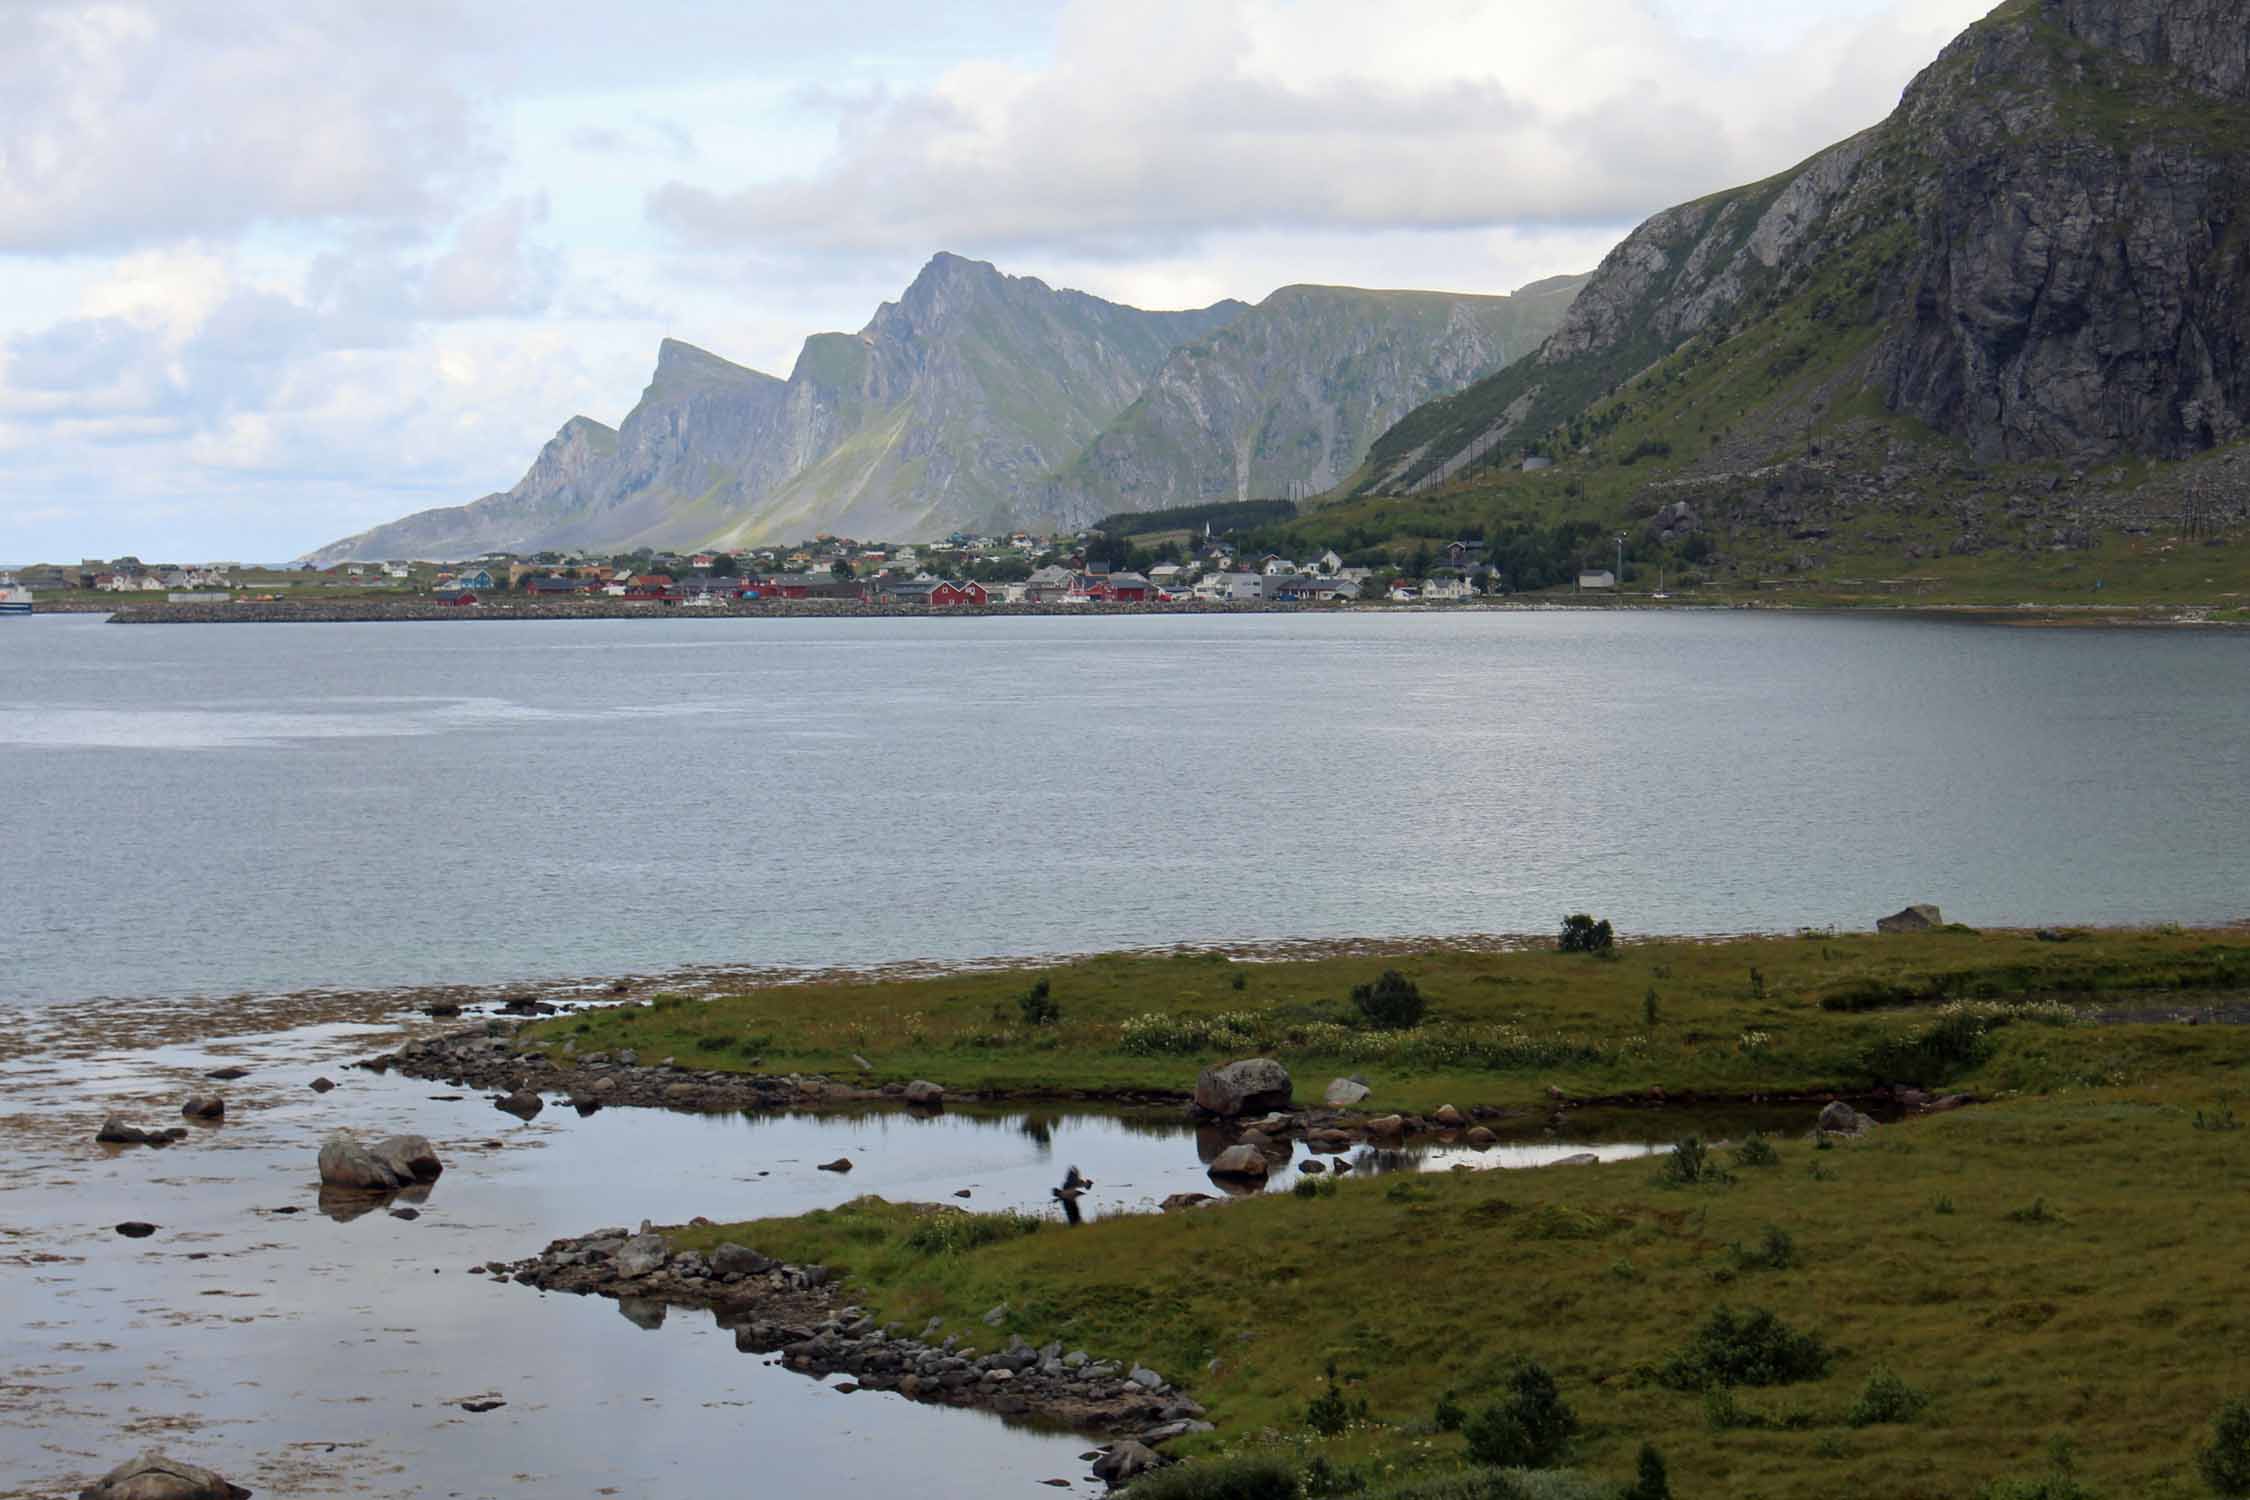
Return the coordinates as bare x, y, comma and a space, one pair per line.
303, 1355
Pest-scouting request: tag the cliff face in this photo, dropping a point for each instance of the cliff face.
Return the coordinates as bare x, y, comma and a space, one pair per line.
2042, 252
1286, 398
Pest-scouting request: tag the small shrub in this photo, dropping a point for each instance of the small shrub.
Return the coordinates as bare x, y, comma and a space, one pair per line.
1756, 1151
1885, 1398
1754, 1348
1650, 1482
2221, 1118
2035, 1212
1828, 1445
1314, 1187
1450, 1415
1582, 934
1219, 1479
1757, 983
1775, 1251
1649, 1013
1623, 1269
1689, 1164
1330, 1412
1528, 1428
1952, 1044
1944, 1204
1324, 1479
1238, 980
1723, 1413
2060, 1482
1393, 1002
1039, 1005
1817, 1172
2224, 1462
713, 1043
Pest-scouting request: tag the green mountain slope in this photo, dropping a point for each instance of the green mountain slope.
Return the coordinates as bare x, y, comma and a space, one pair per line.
1963, 334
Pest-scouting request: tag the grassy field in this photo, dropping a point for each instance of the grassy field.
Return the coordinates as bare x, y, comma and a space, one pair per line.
1741, 1017
2063, 1262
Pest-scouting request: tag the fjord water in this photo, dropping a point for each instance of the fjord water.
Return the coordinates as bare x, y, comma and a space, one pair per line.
213, 810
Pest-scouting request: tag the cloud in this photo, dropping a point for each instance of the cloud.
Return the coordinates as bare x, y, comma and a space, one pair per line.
132, 123
493, 268
1156, 126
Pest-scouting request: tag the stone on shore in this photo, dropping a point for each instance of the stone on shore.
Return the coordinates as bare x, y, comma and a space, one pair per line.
925, 1093
1343, 1093
1840, 1118
1920, 917
1577, 1159
642, 1254
1480, 1136
412, 1157
152, 1476
346, 1163
523, 1104
1242, 1087
1246, 1162
840, 1164
1125, 1461
204, 1107
1449, 1117
1180, 1202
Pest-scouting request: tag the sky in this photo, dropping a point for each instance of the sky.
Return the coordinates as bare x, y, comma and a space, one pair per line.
274, 271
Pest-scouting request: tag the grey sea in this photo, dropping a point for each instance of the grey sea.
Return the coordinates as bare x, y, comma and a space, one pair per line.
213, 811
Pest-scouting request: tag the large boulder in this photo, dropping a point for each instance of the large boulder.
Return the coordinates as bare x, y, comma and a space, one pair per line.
1126, 1461
1920, 917
523, 1103
642, 1254
412, 1157
346, 1163
1250, 1085
1840, 1118
1246, 1162
152, 1476
1343, 1093
925, 1093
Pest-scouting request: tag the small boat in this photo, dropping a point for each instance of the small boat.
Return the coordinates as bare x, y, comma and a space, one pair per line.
15, 601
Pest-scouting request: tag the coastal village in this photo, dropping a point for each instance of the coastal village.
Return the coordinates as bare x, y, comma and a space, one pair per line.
961, 572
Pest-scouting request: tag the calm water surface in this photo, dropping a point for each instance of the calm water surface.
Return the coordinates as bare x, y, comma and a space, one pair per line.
205, 810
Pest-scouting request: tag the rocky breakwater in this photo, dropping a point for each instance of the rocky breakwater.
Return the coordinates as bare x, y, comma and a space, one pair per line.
798, 1314
491, 1057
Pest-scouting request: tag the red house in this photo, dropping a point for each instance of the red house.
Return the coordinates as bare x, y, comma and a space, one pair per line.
455, 597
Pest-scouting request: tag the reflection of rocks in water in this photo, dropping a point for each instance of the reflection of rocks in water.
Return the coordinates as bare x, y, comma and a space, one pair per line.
1210, 1140
642, 1312
1040, 1128
346, 1204
1382, 1159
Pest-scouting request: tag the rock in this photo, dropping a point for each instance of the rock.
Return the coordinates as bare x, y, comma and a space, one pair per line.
204, 1107
1577, 1159
960, 1192
994, 1317
1840, 1118
1124, 1462
1179, 1202
134, 1229
1449, 1117
345, 1163
482, 1406
1481, 1136
1179, 1427
444, 1009
116, 1131
1241, 1087
642, 1254
523, 1104
1342, 1093
412, 1157
1390, 1127
1146, 1378
320, 1085
1919, 917
840, 1164
406, 1213
923, 1092
731, 1259
1312, 1166
229, 1073
862, 1063
1240, 1161
152, 1476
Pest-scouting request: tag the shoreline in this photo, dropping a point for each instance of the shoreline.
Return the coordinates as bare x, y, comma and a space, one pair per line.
415, 611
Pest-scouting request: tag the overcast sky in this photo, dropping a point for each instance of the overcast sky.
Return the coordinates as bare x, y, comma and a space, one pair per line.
271, 273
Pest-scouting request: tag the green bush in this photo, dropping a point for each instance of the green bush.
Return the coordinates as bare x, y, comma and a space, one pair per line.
1885, 1398
1039, 1006
1392, 1002
1527, 1428
2060, 1482
1449, 1416
1951, 1045
1330, 1412
1756, 1151
1775, 1251
1582, 934
1690, 1163
2224, 1462
1650, 1481
1219, 1479
1754, 1348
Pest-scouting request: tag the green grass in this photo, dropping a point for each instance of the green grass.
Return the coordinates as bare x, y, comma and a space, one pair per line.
1837, 1012
2112, 1315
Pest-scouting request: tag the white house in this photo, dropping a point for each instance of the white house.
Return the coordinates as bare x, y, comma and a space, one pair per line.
1602, 579
1233, 588
1328, 562
1442, 587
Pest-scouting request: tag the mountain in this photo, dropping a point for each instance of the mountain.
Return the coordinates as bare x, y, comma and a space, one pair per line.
1285, 399
980, 401
2041, 257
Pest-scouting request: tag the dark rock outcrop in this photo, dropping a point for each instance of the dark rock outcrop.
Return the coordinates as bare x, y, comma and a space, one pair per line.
152, 1476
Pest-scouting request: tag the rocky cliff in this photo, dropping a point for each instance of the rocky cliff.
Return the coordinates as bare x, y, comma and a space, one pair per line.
1284, 400
2039, 255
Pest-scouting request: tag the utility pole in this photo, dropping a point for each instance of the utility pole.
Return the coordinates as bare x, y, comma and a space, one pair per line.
1621, 561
